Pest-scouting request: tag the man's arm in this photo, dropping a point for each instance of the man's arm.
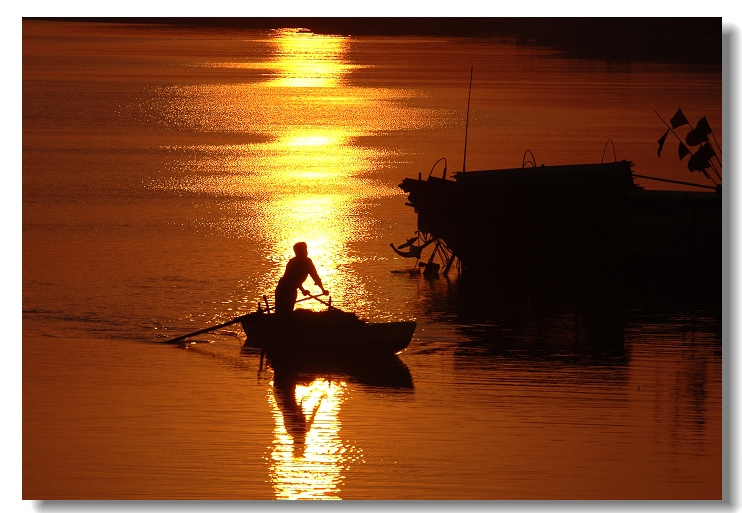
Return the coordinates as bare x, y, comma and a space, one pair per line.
316, 278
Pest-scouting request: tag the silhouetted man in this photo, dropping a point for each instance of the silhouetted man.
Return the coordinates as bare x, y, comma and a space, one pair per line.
293, 278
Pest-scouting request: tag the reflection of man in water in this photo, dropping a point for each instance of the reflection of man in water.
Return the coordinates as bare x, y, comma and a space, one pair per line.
284, 390
293, 278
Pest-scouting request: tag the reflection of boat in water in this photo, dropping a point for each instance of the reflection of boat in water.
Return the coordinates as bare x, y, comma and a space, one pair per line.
331, 333
582, 324
309, 457
577, 323
573, 334
386, 371
381, 372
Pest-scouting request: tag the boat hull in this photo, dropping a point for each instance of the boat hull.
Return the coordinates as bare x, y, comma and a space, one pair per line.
285, 336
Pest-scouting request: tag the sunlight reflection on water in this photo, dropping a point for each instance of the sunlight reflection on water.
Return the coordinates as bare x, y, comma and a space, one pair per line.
163, 195
311, 179
308, 456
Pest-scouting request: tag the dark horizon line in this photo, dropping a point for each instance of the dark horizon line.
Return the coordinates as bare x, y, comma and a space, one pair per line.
667, 40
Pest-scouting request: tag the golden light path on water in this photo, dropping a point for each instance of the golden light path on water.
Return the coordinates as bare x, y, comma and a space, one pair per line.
301, 175
305, 177
308, 457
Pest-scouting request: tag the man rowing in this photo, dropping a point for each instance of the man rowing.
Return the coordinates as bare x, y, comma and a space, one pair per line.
297, 271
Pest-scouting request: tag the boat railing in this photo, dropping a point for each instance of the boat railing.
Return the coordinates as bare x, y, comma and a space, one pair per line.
606, 147
531, 161
445, 167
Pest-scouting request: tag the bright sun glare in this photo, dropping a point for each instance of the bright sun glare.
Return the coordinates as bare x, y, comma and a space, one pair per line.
304, 59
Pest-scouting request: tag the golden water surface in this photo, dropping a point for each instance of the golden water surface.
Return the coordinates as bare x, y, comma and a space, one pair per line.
167, 173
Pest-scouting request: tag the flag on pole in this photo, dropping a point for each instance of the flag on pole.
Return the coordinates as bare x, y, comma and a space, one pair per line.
703, 126
683, 151
661, 142
698, 134
679, 119
700, 160
695, 137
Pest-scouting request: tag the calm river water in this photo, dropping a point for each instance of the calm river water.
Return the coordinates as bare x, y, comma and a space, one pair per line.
166, 175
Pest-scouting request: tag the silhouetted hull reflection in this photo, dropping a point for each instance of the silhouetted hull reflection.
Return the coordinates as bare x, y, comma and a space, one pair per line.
381, 371
575, 323
331, 334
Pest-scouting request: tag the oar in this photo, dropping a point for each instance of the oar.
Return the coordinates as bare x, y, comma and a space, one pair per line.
317, 297
268, 308
205, 330
233, 321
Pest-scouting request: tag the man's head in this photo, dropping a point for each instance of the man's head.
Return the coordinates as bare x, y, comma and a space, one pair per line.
300, 249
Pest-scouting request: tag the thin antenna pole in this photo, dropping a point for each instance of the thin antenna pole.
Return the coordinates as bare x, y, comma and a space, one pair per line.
466, 134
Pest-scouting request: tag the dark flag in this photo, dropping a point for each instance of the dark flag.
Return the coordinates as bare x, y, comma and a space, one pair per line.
683, 151
661, 141
698, 134
701, 159
703, 126
679, 119
694, 138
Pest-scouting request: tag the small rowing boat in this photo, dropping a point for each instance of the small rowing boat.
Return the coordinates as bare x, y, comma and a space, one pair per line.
332, 332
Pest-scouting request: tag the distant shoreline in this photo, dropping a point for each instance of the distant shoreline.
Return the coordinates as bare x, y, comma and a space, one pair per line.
661, 40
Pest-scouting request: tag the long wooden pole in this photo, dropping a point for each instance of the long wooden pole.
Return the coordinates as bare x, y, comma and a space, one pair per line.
205, 330
317, 297
674, 181
236, 320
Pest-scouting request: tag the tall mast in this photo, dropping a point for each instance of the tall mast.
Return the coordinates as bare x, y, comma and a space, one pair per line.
466, 135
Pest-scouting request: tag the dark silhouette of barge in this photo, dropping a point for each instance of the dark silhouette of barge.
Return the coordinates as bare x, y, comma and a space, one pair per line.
565, 220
